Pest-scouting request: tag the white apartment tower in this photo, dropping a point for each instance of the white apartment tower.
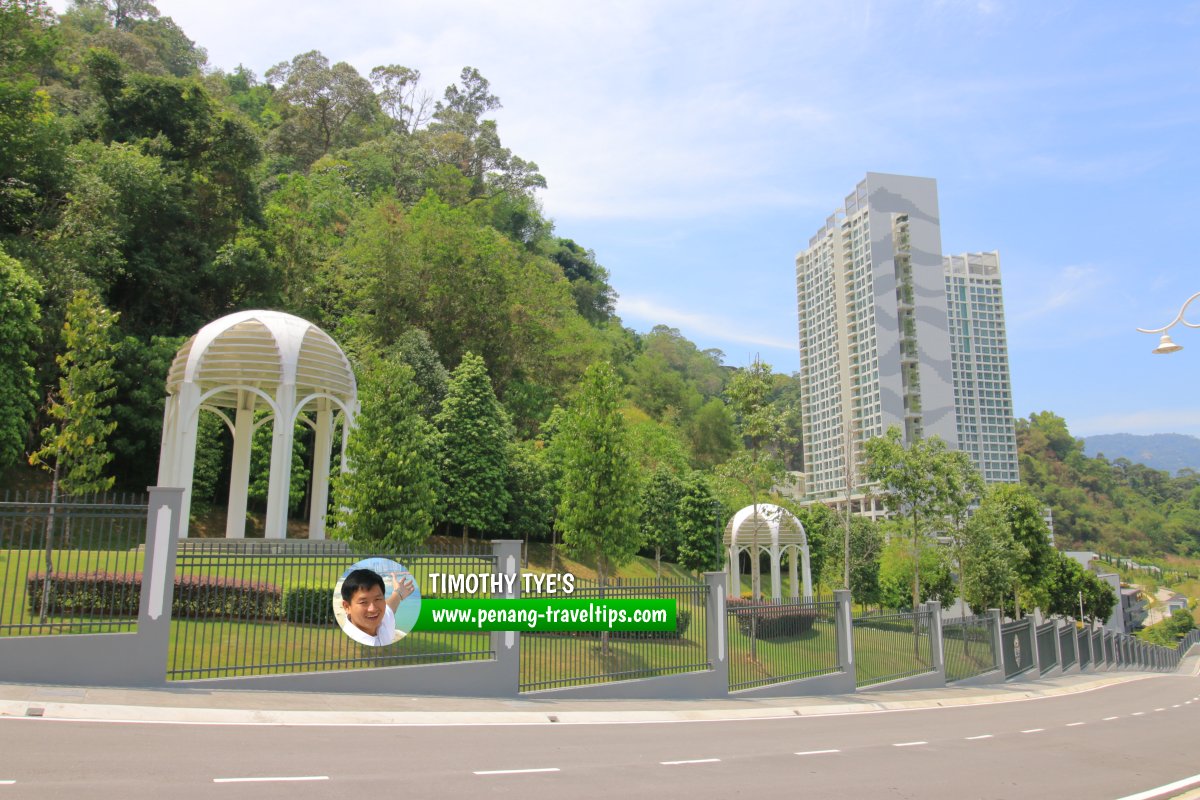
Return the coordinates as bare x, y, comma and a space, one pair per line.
873, 294
979, 353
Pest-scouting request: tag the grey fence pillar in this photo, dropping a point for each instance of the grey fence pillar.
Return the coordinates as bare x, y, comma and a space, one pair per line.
158, 582
507, 644
1059, 624
937, 649
1031, 622
845, 634
717, 630
997, 622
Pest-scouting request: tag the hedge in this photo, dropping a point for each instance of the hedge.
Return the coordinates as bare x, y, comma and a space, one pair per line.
105, 594
772, 621
308, 606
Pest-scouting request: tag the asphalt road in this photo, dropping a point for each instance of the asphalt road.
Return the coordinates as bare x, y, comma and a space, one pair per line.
1104, 744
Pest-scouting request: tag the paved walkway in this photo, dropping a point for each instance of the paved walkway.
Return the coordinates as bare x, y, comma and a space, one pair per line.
183, 705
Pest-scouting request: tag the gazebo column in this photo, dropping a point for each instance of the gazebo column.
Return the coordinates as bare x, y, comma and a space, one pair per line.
794, 582
807, 573
776, 583
322, 447
168, 449
239, 473
187, 414
282, 438
735, 572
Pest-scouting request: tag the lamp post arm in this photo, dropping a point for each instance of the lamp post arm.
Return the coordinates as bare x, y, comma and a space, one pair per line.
1179, 320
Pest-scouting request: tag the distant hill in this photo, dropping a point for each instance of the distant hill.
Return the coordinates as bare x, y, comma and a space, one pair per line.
1168, 451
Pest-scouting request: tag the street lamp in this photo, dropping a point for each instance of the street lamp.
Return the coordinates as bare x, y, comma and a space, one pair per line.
1165, 345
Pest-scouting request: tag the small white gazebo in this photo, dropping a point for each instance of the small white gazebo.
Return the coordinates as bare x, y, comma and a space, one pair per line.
773, 530
255, 361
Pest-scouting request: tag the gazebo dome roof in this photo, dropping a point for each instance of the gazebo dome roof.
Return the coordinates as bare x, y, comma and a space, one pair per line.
774, 526
262, 350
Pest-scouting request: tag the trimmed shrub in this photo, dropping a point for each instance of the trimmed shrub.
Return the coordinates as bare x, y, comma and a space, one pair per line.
306, 605
771, 620
105, 594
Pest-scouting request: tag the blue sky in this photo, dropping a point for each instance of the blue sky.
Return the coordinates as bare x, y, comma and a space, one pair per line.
696, 147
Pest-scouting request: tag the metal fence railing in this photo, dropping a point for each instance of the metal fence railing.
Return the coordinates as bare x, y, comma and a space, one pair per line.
1017, 640
558, 660
1047, 652
1083, 647
1067, 644
1098, 647
773, 642
71, 566
969, 646
266, 607
892, 646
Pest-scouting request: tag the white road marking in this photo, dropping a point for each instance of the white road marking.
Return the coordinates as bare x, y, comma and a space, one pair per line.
1175, 706
7, 783
984, 736
1166, 789
1075, 724
816, 752
1137, 713
1109, 719
691, 761
1034, 730
270, 780
908, 744
514, 771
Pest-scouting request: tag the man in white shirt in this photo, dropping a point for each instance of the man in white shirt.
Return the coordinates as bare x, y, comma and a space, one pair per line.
370, 619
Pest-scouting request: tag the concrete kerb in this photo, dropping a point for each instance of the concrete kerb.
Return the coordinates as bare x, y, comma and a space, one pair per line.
166, 706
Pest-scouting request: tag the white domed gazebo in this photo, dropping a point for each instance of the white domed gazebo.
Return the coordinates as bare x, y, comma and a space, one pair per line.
253, 361
773, 530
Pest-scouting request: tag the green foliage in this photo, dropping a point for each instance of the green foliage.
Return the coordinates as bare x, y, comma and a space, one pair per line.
141, 374
658, 515
1068, 586
598, 510
474, 433
1118, 505
1168, 632
19, 333
986, 559
896, 576
75, 443
388, 498
701, 521
1032, 555
309, 605
260, 462
532, 493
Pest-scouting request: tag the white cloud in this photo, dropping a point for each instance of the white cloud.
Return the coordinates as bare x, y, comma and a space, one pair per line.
1071, 287
691, 323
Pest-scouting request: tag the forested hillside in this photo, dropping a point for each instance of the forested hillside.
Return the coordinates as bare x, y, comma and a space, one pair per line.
386, 211
1118, 505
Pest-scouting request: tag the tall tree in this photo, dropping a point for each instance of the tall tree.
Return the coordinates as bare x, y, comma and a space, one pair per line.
658, 515
75, 443
598, 510
916, 481
19, 333
1033, 554
763, 427
986, 554
474, 432
323, 106
701, 519
388, 497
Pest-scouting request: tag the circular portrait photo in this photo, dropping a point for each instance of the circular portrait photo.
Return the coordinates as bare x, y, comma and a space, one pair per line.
376, 602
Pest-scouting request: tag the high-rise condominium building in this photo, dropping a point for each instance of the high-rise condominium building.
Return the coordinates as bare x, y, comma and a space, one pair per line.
979, 354
875, 333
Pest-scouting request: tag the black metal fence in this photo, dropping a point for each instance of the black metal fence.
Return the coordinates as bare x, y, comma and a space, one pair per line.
267, 607
558, 660
969, 646
773, 642
892, 646
1017, 639
1083, 647
1047, 632
1067, 644
72, 565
